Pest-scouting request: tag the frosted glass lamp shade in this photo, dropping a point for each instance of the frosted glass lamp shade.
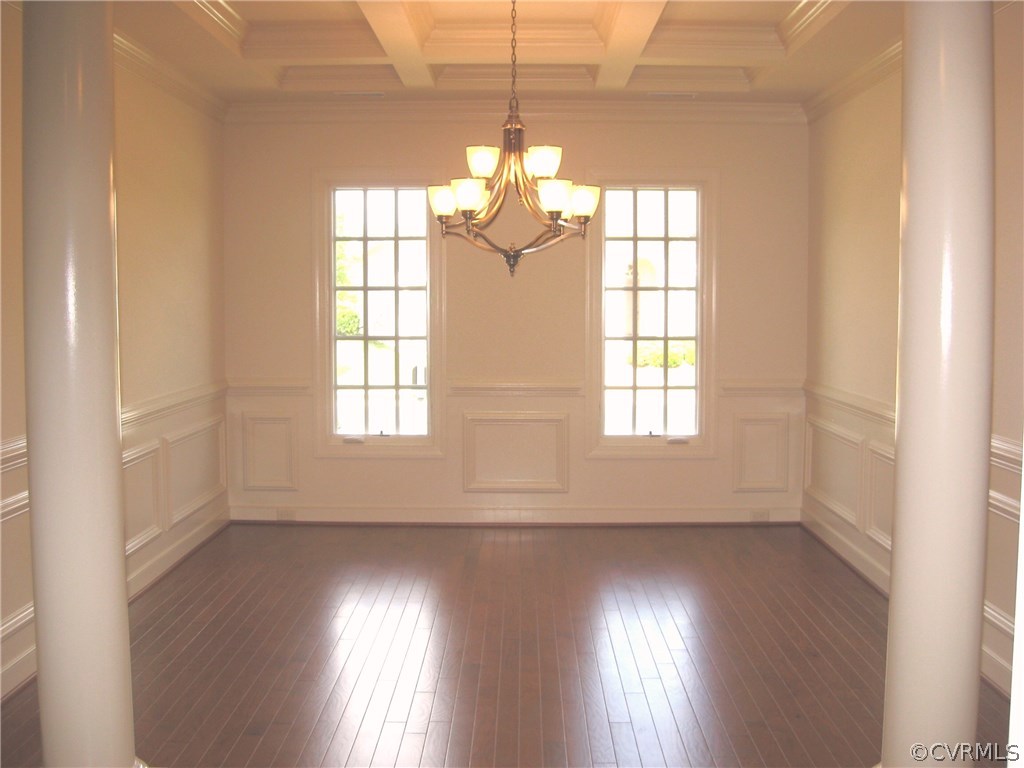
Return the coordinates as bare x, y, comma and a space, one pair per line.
442, 200
469, 194
555, 195
482, 161
542, 161
584, 200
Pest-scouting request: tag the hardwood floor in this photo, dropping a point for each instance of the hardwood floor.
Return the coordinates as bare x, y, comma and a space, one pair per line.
383, 646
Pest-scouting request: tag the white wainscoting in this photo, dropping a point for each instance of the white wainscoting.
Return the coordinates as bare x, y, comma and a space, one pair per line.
515, 453
761, 452
521, 451
175, 469
849, 477
269, 462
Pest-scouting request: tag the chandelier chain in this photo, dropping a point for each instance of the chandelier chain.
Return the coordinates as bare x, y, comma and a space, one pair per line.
513, 102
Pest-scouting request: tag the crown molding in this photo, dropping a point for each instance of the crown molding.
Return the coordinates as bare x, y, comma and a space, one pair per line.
220, 19
887, 63
133, 58
806, 20
590, 110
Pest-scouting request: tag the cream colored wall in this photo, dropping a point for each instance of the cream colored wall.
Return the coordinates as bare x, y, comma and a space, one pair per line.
168, 178
855, 180
517, 348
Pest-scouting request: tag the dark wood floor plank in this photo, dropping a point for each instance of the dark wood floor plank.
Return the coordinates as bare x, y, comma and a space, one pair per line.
476, 646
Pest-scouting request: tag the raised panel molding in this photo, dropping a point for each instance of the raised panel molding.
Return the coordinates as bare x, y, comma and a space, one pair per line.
193, 481
881, 469
15, 505
761, 452
13, 453
517, 451
268, 447
824, 479
144, 499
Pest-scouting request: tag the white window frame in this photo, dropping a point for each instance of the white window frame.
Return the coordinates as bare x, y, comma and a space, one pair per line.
328, 442
701, 445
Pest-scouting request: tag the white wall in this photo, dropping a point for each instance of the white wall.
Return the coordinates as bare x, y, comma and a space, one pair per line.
522, 345
853, 277
168, 179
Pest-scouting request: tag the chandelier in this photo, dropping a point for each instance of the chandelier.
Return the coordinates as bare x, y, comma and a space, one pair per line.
562, 208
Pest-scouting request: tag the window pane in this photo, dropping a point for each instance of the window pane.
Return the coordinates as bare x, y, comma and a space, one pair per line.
380, 313
348, 313
618, 313
618, 363
382, 412
650, 264
682, 313
650, 313
682, 412
682, 213
380, 262
412, 213
618, 213
380, 213
618, 263
348, 262
348, 213
650, 363
381, 361
618, 412
682, 264
682, 363
348, 363
349, 412
651, 310
412, 412
650, 411
412, 362
412, 313
650, 213
412, 263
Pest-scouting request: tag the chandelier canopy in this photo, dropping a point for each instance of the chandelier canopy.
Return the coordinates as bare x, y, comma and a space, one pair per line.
562, 208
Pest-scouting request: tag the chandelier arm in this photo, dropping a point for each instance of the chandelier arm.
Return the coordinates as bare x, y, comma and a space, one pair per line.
550, 242
529, 196
474, 238
498, 185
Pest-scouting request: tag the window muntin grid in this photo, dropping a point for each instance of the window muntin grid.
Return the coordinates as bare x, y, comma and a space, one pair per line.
380, 312
651, 312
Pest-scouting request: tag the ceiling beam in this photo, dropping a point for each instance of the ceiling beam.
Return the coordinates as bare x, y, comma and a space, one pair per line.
626, 28
401, 32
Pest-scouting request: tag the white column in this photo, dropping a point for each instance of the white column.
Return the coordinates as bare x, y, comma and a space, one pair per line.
943, 410
74, 433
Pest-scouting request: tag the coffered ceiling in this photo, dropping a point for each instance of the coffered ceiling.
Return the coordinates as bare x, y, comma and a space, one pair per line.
773, 51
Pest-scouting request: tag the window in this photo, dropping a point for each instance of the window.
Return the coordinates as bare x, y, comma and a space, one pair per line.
381, 312
652, 308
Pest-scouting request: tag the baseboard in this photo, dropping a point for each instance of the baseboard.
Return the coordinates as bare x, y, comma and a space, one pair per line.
994, 668
512, 515
144, 576
20, 671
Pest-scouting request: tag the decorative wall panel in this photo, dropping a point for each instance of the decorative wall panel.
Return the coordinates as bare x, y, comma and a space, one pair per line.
196, 472
525, 451
761, 445
143, 496
269, 453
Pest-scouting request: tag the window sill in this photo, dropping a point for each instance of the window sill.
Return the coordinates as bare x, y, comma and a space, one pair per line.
374, 447
640, 447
